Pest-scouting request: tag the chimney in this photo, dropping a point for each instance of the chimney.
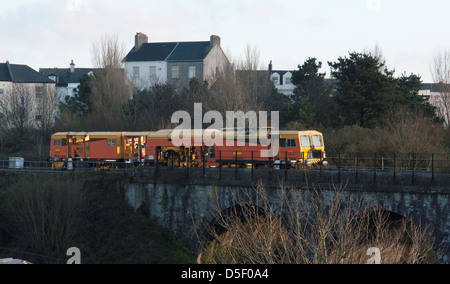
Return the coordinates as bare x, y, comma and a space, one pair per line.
215, 40
140, 39
72, 67
270, 67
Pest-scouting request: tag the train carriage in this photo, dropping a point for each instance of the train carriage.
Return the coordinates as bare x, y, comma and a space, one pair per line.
191, 148
85, 146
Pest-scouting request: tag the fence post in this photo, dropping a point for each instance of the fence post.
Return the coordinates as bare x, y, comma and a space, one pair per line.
204, 163
413, 168
395, 170
156, 164
253, 165
285, 165
220, 164
339, 168
375, 169
188, 163
432, 168
235, 165
357, 169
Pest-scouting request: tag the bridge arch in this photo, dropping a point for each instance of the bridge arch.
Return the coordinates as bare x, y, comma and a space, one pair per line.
398, 238
239, 233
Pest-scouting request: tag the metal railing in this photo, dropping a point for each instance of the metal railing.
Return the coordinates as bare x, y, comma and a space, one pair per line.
47, 167
412, 164
357, 165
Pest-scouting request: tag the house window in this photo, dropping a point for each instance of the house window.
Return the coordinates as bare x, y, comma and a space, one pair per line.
275, 80
152, 72
288, 81
175, 72
2, 91
39, 91
136, 73
192, 72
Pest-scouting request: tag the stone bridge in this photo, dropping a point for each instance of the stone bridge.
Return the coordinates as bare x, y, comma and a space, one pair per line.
186, 200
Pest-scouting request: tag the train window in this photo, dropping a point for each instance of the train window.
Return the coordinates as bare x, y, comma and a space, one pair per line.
112, 142
291, 143
58, 142
306, 142
317, 140
210, 152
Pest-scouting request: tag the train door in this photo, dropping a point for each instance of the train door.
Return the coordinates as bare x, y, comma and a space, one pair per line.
76, 146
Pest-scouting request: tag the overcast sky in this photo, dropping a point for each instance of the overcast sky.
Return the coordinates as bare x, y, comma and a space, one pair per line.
50, 33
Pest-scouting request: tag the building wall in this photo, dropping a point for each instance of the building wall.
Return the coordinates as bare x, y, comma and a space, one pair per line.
215, 61
184, 79
4, 88
144, 80
39, 106
438, 100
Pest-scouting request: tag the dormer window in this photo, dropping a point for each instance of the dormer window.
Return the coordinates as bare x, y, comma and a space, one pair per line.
275, 80
288, 81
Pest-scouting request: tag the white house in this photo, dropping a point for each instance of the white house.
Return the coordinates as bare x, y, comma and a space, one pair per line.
282, 80
174, 62
26, 97
439, 96
67, 79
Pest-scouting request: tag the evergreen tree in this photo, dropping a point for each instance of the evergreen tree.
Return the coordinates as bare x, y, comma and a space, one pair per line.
79, 105
408, 88
311, 102
365, 89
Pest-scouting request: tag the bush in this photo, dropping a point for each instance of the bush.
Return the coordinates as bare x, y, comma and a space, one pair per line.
44, 216
309, 230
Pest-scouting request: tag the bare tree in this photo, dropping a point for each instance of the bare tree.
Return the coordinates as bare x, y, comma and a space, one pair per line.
440, 71
47, 101
108, 52
17, 106
111, 88
244, 86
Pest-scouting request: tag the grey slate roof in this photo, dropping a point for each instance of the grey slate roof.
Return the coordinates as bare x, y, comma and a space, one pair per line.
66, 77
435, 88
170, 51
21, 74
190, 51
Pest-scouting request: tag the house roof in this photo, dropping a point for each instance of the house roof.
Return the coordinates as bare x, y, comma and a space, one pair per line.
64, 75
21, 74
170, 51
435, 87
